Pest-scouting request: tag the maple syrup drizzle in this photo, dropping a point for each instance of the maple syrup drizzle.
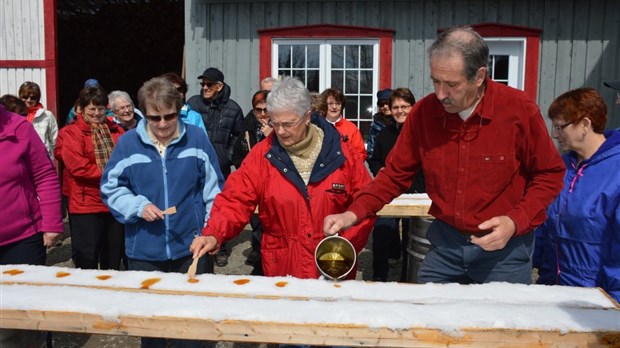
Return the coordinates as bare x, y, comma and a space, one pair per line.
147, 283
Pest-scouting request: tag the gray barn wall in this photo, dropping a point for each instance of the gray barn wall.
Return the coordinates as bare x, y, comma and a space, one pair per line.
579, 48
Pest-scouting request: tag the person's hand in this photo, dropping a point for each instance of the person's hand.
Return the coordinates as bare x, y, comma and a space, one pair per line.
202, 245
333, 224
152, 213
265, 129
502, 229
50, 238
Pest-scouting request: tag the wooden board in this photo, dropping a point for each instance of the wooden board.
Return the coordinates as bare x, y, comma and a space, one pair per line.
313, 334
265, 309
407, 205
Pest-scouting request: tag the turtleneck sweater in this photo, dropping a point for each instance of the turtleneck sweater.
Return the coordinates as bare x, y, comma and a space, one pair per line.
304, 153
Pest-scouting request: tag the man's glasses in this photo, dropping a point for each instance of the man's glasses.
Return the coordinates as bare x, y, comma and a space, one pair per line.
208, 84
559, 128
158, 118
285, 125
29, 97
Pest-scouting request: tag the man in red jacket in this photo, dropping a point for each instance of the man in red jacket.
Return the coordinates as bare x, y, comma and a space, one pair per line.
490, 166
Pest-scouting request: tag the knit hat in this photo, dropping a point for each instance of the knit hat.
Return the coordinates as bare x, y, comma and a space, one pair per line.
212, 74
613, 84
384, 94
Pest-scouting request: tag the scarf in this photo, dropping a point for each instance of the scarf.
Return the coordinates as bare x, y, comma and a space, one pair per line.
103, 143
304, 153
32, 111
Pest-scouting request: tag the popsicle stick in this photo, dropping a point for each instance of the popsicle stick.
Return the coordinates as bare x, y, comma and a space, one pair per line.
170, 210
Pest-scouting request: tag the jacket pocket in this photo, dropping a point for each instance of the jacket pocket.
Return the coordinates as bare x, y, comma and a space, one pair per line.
496, 171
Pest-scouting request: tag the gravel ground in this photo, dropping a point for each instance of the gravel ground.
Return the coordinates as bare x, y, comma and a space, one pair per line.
60, 255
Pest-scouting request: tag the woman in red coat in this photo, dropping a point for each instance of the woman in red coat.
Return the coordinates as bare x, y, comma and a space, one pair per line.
84, 147
301, 173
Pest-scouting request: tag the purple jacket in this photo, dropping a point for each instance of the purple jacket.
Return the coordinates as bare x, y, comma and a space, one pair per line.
29, 188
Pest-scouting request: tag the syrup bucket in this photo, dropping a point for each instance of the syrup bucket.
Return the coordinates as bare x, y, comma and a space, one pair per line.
335, 257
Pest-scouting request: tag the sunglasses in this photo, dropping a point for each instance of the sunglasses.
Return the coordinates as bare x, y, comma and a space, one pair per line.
259, 111
30, 97
157, 118
208, 84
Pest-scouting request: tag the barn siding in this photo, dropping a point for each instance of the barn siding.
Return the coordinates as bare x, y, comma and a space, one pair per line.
579, 43
23, 55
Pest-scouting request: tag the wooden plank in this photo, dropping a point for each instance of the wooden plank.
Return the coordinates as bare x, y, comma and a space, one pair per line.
243, 331
307, 311
407, 205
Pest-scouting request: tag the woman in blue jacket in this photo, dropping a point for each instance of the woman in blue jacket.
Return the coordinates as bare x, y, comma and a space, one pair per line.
160, 164
579, 244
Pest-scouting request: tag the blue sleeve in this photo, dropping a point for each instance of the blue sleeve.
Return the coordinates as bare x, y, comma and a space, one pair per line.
192, 117
125, 206
214, 180
610, 263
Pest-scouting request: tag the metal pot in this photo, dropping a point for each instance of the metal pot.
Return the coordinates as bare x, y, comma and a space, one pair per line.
335, 257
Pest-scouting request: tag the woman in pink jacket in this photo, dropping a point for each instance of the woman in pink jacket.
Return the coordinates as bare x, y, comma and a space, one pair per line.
30, 192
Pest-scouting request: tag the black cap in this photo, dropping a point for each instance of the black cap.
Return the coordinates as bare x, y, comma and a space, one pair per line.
212, 74
613, 84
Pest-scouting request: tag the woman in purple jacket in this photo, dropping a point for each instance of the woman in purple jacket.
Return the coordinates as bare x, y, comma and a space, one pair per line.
31, 218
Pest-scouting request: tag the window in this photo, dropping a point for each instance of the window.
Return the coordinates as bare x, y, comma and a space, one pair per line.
348, 65
506, 61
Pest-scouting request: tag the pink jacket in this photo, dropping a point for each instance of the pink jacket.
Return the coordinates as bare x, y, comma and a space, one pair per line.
28, 182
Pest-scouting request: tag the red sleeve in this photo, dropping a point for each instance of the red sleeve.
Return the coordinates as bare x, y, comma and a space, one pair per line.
546, 170
360, 178
74, 157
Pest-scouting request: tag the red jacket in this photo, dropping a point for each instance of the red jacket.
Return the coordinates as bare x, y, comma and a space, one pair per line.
351, 134
81, 176
291, 213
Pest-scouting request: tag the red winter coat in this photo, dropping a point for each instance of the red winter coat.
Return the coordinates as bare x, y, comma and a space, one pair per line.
291, 213
81, 175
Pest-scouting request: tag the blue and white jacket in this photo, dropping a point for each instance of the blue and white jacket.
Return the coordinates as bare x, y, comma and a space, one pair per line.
579, 244
187, 177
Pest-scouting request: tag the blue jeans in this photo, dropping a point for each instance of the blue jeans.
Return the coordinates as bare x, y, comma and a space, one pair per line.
452, 258
181, 265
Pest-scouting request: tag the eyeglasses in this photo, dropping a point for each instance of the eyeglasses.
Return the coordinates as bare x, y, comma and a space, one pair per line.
208, 84
401, 107
157, 118
285, 125
383, 103
124, 108
29, 97
559, 128
259, 111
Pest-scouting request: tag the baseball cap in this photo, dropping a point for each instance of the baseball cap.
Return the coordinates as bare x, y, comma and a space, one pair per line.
613, 84
212, 74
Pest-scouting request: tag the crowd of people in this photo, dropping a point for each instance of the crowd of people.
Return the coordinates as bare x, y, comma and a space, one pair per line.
152, 188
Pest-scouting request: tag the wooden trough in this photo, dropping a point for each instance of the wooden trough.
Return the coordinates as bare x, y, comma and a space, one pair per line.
294, 311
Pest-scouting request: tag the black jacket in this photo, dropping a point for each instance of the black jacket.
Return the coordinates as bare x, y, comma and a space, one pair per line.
223, 120
241, 148
383, 145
